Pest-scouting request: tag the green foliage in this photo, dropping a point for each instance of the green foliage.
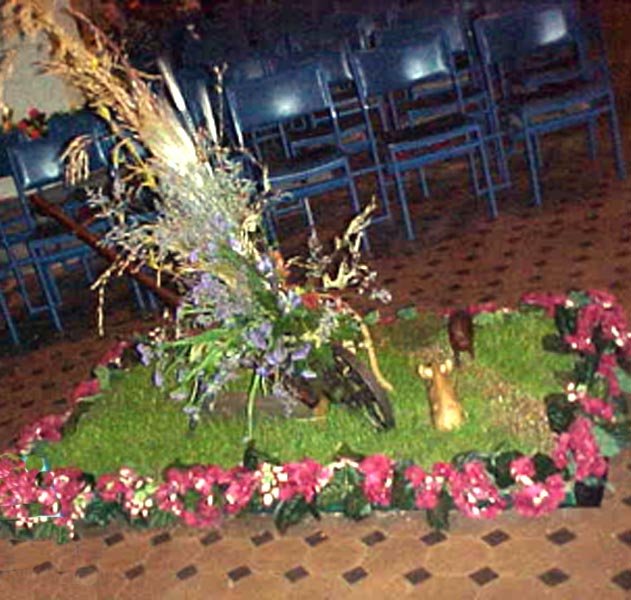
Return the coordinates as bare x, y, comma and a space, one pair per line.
407, 313
290, 512
438, 518
560, 411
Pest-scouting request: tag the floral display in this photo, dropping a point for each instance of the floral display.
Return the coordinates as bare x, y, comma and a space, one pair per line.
33, 126
589, 429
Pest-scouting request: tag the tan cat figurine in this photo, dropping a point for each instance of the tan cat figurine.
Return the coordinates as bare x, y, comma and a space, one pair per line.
447, 412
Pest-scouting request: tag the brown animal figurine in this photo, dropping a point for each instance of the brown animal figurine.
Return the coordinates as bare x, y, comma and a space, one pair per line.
460, 329
447, 412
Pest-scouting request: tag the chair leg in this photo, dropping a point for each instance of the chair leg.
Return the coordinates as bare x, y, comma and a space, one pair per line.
6, 313
383, 190
616, 142
405, 211
49, 297
490, 190
592, 140
531, 155
424, 185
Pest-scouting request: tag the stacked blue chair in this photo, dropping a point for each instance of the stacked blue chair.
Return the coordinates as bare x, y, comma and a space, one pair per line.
383, 71
527, 107
6, 275
280, 100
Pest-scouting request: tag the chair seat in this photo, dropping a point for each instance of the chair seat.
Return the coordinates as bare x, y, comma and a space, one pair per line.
307, 165
351, 125
569, 96
430, 132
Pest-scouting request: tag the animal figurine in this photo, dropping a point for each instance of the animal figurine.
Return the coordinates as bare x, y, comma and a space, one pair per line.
447, 412
460, 329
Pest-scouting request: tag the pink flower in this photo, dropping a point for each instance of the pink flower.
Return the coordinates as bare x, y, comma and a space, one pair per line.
606, 368
473, 492
305, 478
378, 474
596, 407
485, 307
33, 113
427, 487
114, 354
579, 445
540, 498
241, 485
547, 301
604, 298
522, 467
85, 389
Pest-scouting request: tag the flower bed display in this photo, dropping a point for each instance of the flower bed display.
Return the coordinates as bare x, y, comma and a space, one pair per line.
590, 422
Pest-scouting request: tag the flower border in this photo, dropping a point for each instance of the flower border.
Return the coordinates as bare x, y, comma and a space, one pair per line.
592, 324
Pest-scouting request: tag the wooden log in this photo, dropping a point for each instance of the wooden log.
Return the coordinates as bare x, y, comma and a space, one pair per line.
86, 236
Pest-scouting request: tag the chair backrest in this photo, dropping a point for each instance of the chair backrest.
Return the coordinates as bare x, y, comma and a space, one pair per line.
333, 63
355, 29
63, 128
36, 164
279, 98
508, 38
249, 68
383, 70
407, 31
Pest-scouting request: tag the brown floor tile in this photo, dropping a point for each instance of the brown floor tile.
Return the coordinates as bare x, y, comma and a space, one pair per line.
335, 556
458, 556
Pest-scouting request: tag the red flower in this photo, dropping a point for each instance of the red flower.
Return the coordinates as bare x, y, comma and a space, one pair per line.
305, 478
522, 467
241, 484
22, 125
113, 355
85, 389
34, 134
606, 368
547, 301
540, 498
33, 113
485, 307
311, 300
378, 473
473, 492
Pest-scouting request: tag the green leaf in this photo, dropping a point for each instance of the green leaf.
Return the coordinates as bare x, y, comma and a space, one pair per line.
560, 411
624, 379
438, 518
610, 444
161, 518
343, 450
103, 376
500, 467
402, 496
356, 505
290, 512
101, 513
253, 457
372, 318
407, 313
544, 466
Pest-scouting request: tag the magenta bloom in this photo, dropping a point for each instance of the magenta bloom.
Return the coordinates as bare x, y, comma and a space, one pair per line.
474, 494
608, 362
114, 354
596, 407
85, 389
540, 498
522, 467
547, 301
579, 445
427, 487
378, 474
304, 478
240, 486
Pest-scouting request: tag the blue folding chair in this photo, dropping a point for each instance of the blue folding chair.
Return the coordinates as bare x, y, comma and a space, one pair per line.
526, 107
383, 71
5, 274
280, 100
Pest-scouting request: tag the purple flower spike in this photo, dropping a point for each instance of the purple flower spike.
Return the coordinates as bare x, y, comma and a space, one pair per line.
145, 354
158, 380
301, 353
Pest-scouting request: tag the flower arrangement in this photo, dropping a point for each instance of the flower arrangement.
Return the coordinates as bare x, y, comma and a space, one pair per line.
33, 126
590, 420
